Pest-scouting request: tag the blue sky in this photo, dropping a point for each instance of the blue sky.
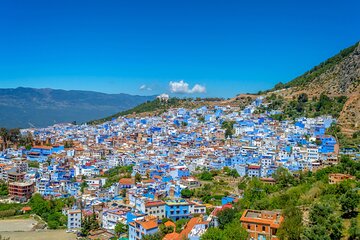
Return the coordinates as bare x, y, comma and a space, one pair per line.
220, 47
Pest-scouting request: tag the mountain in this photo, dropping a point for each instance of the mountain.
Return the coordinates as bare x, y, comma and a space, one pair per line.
156, 107
26, 107
338, 76
332, 88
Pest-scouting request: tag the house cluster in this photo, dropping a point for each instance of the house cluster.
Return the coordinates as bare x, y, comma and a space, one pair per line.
74, 160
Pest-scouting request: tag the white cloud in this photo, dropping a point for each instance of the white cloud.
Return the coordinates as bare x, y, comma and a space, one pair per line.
144, 87
183, 87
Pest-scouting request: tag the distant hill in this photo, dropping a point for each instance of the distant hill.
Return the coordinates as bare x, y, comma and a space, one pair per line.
155, 107
26, 107
338, 76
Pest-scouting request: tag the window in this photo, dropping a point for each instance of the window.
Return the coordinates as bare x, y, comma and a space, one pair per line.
263, 228
248, 226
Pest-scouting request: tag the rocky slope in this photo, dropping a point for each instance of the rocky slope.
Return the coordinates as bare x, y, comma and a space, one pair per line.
337, 76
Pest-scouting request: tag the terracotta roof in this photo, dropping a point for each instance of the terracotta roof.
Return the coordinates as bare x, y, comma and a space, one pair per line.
43, 147
189, 226
274, 219
171, 236
154, 203
26, 208
219, 209
148, 224
170, 224
126, 181
148, 181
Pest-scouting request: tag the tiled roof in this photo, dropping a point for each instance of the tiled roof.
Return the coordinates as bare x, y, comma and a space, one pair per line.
126, 181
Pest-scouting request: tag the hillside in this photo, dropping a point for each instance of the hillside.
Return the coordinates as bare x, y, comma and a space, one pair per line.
25, 107
336, 77
155, 107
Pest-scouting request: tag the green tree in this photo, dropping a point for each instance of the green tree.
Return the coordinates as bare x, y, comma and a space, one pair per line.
180, 224
3, 189
324, 223
83, 185
213, 234
138, 177
283, 177
354, 230
349, 202
120, 228
303, 98
206, 176
155, 236
123, 192
226, 216
292, 226
235, 231
187, 193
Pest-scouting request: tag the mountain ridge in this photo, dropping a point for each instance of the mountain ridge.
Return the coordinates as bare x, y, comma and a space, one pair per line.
40, 107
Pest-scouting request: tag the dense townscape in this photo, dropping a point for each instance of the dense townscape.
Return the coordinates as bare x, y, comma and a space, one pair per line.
174, 175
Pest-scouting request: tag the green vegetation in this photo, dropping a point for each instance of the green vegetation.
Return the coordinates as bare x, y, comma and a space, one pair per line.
89, 223
308, 194
13, 136
51, 210
33, 164
229, 229
231, 172
3, 189
302, 107
120, 228
83, 185
114, 174
149, 106
317, 70
229, 128
10, 209
187, 193
206, 176
163, 230
345, 142
180, 224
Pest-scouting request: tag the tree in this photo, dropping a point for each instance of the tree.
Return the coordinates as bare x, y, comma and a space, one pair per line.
324, 222
213, 234
83, 185
180, 224
354, 230
138, 177
206, 176
283, 177
235, 231
123, 192
89, 223
233, 173
155, 236
303, 98
292, 226
349, 201
38, 205
165, 230
187, 193
226, 216
3, 189
120, 228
